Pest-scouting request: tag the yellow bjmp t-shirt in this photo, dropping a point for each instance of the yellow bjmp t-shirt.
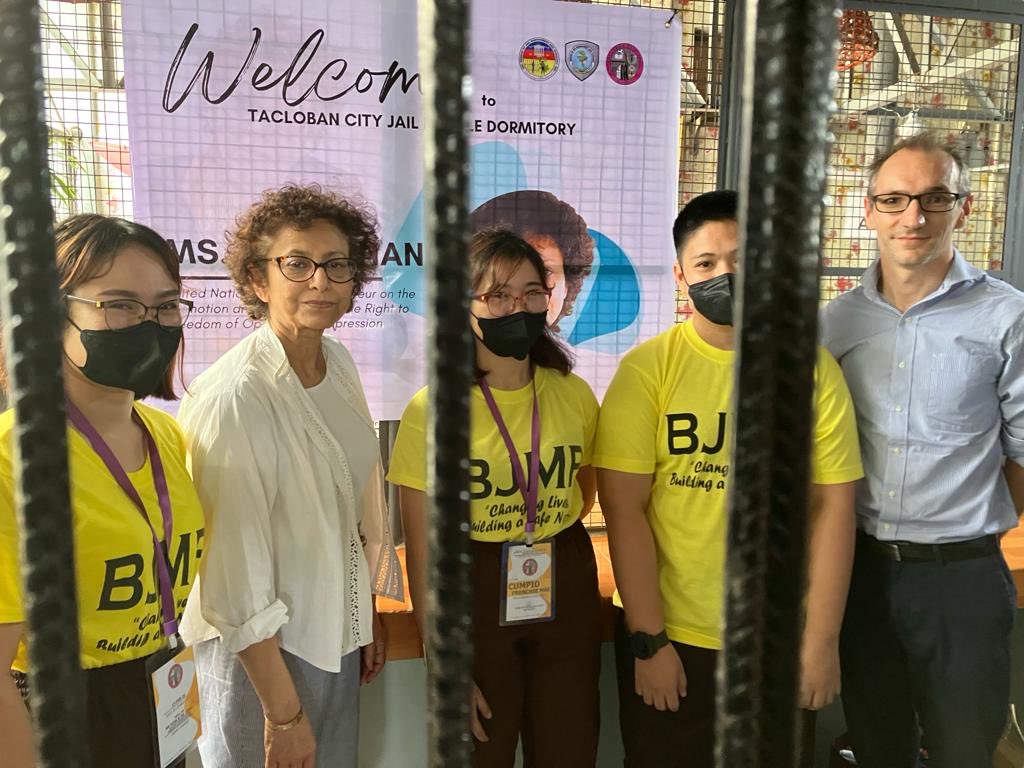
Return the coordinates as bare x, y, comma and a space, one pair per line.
119, 614
667, 412
568, 421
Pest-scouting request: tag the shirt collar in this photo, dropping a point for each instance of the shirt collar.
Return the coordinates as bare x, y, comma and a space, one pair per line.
960, 271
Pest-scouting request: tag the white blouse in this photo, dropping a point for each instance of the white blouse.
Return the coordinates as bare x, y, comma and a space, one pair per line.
297, 533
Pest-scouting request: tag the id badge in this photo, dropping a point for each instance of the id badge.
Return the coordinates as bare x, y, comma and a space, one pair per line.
527, 583
175, 704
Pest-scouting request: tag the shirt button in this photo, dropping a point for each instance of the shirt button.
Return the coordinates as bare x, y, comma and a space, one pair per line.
892, 494
903, 363
899, 408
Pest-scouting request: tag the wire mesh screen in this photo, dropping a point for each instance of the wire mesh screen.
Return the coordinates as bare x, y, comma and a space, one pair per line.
702, 69
906, 73
901, 74
83, 64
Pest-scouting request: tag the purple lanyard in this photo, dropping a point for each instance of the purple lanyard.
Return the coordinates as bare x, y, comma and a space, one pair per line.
529, 490
170, 625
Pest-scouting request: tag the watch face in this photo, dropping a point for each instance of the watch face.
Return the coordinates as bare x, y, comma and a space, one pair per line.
641, 646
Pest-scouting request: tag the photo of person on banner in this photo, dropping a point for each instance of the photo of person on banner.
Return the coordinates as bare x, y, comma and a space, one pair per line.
555, 229
286, 460
138, 524
536, 605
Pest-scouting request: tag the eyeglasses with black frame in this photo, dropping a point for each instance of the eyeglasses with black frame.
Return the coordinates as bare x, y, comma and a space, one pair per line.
299, 269
499, 303
124, 313
932, 202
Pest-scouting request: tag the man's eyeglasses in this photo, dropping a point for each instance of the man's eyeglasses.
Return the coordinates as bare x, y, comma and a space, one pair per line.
299, 269
932, 202
124, 313
500, 303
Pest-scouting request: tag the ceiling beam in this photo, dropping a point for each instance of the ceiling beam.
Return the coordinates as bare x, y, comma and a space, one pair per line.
958, 69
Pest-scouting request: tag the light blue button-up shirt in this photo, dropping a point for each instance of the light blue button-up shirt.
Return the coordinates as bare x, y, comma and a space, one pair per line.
939, 393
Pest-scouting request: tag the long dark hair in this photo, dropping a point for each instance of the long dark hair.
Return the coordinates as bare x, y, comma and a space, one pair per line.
499, 251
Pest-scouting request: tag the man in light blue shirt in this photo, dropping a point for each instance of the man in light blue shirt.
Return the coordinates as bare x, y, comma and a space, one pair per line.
933, 353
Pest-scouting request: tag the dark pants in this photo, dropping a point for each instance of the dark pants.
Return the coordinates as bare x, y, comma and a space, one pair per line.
653, 739
683, 739
540, 680
926, 657
118, 707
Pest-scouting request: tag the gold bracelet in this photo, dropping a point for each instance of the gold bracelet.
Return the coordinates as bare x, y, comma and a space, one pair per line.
272, 726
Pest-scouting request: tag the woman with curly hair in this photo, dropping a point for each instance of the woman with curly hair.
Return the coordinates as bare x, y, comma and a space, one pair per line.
285, 459
555, 229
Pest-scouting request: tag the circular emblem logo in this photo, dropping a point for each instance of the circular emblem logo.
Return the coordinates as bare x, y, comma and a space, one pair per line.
529, 566
174, 675
625, 63
538, 58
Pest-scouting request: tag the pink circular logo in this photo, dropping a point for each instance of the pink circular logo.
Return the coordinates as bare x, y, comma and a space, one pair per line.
529, 566
174, 675
625, 63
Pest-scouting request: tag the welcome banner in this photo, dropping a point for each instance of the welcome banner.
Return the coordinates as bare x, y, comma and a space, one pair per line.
574, 136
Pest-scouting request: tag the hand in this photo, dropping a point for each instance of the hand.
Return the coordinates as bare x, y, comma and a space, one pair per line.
661, 679
376, 653
478, 708
819, 673
294, 748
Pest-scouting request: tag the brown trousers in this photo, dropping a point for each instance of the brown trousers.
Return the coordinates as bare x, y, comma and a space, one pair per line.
540, 680
118, 721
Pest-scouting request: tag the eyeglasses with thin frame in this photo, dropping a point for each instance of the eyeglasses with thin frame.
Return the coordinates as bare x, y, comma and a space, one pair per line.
499, 303
299, 269
124, 313
932, 202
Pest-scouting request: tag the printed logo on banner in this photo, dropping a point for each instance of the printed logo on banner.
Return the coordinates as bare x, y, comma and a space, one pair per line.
625, 63
581, 57
538, 58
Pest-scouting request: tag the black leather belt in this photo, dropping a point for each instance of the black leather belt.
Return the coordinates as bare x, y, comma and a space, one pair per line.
909, 552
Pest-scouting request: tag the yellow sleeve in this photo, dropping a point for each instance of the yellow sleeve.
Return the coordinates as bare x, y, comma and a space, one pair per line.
12, 609
586, 405
836, 451
408, 465
627, 427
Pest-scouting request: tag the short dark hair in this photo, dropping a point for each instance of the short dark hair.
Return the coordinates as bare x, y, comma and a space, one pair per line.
533, 213
298, 207
721, 205
497, 248
88, 242
927, 141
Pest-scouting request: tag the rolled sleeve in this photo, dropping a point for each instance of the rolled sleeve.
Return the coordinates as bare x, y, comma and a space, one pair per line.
1011, 393
233, 454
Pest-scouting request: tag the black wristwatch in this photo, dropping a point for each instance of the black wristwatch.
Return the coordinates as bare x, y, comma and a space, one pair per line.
643, 646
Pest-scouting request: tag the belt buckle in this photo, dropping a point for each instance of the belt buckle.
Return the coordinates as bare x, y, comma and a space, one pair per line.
894, 548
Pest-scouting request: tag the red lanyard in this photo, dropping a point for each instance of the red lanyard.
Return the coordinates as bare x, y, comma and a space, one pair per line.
528, 489
165, 587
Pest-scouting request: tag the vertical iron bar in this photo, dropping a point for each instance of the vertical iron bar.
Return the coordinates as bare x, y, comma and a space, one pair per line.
32, 339
444, 45
788, 97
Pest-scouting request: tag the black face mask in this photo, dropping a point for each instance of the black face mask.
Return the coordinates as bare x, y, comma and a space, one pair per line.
714, 298
133, 358
513, 335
